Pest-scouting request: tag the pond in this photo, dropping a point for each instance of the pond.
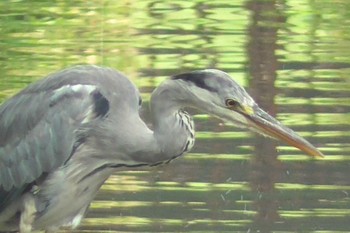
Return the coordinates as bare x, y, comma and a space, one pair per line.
292, 56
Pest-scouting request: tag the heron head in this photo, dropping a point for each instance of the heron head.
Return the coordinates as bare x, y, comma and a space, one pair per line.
216, 93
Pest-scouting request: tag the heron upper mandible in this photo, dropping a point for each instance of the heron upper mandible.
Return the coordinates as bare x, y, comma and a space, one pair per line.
63, 136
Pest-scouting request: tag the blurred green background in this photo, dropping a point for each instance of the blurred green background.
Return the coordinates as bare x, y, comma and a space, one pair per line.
293, 56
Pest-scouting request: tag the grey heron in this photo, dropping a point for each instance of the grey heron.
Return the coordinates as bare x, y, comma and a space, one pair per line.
63, 136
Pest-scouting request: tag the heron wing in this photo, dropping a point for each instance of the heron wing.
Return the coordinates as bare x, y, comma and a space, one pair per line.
40, 129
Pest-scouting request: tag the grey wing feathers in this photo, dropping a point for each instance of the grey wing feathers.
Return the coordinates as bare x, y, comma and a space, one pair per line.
33, 146
38, 129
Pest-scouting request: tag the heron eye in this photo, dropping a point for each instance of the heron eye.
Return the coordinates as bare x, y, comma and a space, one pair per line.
230, 103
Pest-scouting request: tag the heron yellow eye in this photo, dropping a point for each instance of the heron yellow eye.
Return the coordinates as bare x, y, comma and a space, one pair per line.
230, 103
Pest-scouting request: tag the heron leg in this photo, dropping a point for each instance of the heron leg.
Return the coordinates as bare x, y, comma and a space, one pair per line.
27, 214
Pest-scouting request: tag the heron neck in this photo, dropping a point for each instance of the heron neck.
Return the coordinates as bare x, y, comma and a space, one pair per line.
173, 134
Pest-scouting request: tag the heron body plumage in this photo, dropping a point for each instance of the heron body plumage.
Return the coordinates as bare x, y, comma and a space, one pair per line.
69, 116
63, 136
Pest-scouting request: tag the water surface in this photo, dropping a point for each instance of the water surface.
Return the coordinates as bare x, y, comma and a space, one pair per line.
292, 56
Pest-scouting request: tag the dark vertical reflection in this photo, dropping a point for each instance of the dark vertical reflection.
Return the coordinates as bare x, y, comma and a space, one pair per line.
262, 67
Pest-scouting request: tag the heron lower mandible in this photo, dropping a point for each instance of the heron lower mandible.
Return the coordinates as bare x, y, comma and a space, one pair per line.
63, 136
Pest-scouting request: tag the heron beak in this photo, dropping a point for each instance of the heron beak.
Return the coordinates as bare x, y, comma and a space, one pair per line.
263, 123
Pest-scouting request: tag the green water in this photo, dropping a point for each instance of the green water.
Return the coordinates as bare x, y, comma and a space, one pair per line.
293, 56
